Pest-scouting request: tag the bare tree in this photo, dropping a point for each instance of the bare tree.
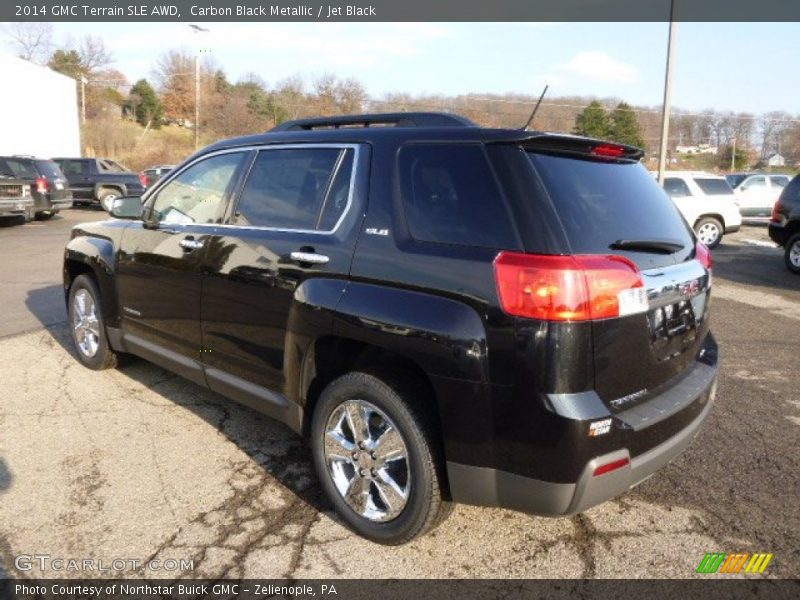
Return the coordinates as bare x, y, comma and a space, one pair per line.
94, 54
31, 41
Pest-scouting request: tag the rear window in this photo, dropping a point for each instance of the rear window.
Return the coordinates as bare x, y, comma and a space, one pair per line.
109, 166
22, 169
780, 181
600, 203
712, 186
451, 197
49, 169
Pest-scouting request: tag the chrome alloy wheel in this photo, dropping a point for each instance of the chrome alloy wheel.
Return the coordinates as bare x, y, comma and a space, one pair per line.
367, 460
794, 254
85, 323
708, 233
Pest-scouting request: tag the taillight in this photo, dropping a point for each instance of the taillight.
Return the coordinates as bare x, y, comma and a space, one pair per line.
143, 179
609, 150
41, 185
569, 288
703, 254
612, 466
775, 216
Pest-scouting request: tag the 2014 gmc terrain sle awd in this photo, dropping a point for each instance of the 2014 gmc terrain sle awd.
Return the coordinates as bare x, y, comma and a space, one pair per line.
449, 313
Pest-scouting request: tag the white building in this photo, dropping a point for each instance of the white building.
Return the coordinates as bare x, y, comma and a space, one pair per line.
38, 110
776, 160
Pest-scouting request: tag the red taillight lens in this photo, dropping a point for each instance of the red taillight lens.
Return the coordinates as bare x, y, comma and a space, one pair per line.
41, 185
568, 288
610, 150
612, 466
703, 254
143, 179
775, 217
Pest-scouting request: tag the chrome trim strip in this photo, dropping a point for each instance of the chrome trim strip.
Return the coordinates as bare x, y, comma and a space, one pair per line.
672, 284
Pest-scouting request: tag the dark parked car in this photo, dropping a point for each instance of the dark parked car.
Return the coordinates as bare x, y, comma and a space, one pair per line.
784, 225
16, 201
498, 317
153, 174
49, 187
100, 180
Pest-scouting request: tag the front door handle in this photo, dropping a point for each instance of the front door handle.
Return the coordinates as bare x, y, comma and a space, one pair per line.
311, 258
189, 244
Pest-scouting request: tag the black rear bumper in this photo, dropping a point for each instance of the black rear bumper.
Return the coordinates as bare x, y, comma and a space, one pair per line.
645, 437
777, 233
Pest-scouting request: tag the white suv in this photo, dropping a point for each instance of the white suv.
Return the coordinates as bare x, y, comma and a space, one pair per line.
707, 203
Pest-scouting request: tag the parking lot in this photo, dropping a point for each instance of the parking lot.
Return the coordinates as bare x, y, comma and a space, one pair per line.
137, 463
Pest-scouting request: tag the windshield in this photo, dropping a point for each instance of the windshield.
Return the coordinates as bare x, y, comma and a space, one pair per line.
600, 203
713, 186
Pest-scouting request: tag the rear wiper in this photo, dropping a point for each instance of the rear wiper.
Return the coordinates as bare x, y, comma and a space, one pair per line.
665, 246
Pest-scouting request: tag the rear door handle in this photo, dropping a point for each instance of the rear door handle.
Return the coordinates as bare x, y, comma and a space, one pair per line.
311, 258
190, 244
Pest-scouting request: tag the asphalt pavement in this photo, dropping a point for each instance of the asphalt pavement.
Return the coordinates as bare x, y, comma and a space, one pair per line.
140, 466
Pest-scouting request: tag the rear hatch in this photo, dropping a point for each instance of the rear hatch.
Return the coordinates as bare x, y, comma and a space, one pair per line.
608, 204
56, 183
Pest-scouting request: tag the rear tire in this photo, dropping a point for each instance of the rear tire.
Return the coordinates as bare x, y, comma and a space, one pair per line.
792, 254
709, 231
87, 326
43, 215
384, 481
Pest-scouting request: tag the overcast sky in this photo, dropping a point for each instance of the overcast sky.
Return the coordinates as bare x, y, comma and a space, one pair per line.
725, 66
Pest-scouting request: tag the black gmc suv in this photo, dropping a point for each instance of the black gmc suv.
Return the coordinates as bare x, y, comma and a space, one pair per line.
49, 188
449, 313
784, 225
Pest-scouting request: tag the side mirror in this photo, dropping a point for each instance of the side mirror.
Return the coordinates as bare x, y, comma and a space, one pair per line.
126, 207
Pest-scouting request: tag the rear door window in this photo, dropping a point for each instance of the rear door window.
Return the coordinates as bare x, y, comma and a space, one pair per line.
297, 188
450, 196
601, 202
712, 186
74, 167
779, 181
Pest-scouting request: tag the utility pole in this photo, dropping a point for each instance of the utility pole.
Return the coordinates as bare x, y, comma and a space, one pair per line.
197, 29
733, 155
662, 158
84, 81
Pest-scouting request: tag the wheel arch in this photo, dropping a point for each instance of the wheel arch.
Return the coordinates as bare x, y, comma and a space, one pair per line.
94, 257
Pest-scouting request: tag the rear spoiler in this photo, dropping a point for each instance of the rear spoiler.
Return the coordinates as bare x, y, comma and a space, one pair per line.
561, 143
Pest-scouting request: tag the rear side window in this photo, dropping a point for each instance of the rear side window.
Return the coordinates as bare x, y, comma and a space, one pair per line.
712, 186
451, 197
297, 188
676, 188
600, 203
754, 183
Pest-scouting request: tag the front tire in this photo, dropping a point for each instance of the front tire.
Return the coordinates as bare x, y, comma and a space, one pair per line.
375, 454
106, 197
87, 327
792, 254
709, 231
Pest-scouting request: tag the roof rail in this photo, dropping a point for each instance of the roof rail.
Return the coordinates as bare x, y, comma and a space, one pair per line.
402, 119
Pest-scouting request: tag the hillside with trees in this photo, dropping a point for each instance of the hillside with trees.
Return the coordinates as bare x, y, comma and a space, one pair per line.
150, 121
